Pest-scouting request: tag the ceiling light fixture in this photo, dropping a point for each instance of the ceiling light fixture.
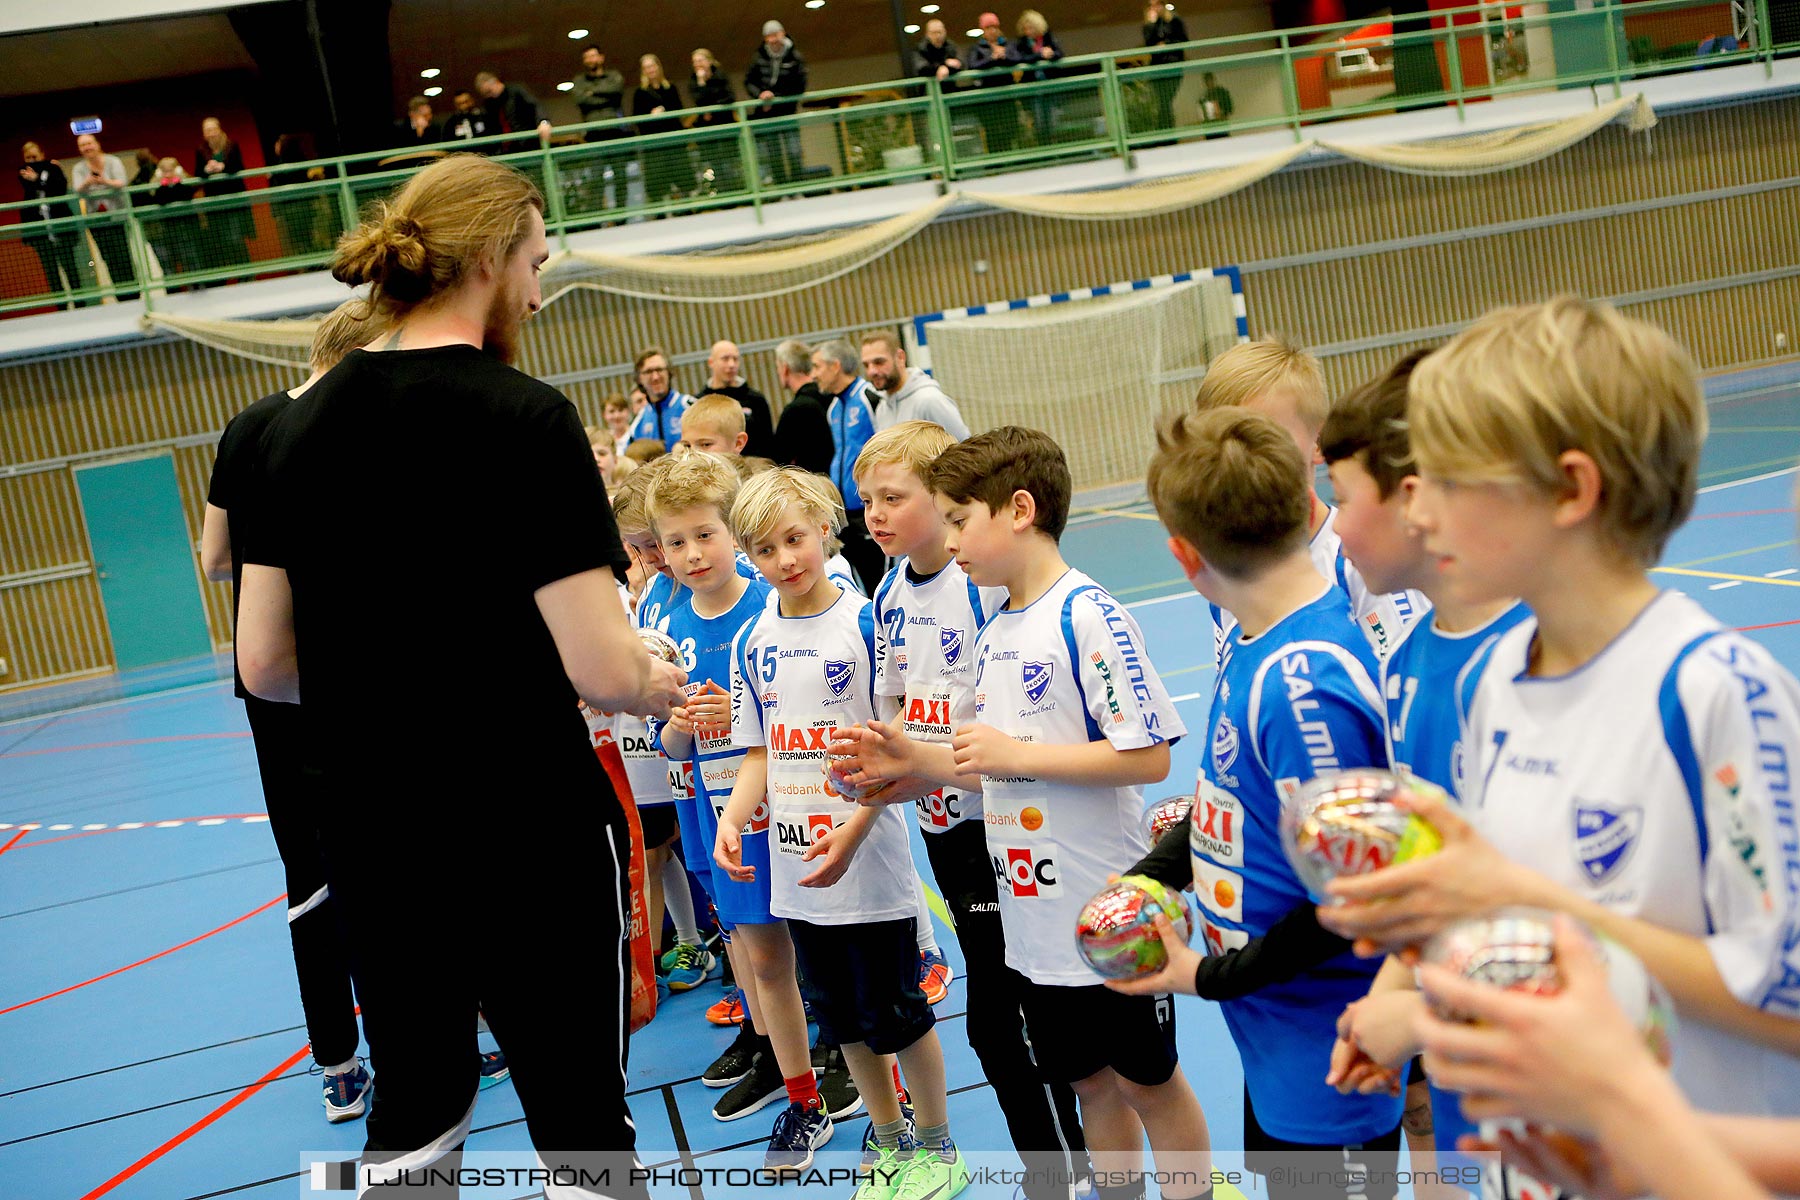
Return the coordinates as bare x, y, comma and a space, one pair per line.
434, 91
974, 33
912, 29
815, 3
577, 33
565, 86
430, 73
928, 8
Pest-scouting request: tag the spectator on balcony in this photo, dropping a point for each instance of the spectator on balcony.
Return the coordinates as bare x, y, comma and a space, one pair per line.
936, 57
655, 104
44, 182
716, 159
993, 56
599, 93
725, 377
1215, 104
1163, 26
173, 236
419, 128
144, 172
99, 179
469, 121
511, 108
229, 227
777, 77
1037, 50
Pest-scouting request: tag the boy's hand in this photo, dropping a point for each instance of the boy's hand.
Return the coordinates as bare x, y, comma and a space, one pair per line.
1176, 976
836, 848
680, 721
1466, 878
709, 709
872, 753
1364, 1066
984, 750
728, 853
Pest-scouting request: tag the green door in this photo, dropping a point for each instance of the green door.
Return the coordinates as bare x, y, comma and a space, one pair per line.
138, 543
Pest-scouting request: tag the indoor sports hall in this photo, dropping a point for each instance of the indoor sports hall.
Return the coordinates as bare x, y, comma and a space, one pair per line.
1063, 243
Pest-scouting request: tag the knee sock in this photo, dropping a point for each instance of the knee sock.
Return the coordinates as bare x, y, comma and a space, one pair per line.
927, 934
679, 901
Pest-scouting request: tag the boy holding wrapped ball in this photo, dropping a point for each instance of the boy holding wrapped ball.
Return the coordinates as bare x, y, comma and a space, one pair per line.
1629, 760
1296, 697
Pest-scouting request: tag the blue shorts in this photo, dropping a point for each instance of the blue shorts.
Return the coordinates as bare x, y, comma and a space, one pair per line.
738, 903
696, 842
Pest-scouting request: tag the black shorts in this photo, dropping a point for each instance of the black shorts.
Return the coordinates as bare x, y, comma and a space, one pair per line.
1302, 1171
1077, 1031
658, 823
863, 982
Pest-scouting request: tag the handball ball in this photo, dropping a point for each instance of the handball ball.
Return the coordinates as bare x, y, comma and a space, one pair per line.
1351, 823
1515, 948
660, 645
1115, 934
1166, 814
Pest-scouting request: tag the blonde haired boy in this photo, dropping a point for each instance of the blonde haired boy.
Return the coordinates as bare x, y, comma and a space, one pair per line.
715, 424
804, 669
1634, 752
1282, 381
928, 616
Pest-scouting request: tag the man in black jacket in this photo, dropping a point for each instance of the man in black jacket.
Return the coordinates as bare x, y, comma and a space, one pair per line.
599, 93
936, 57
509, 105
724, 377
777, 71
803, 437
44, 181
1164, 27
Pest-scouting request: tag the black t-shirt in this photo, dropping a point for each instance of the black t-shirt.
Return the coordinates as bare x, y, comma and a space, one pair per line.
417, 500
236, 470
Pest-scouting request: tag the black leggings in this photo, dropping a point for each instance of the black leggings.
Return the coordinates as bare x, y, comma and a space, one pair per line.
1042, 1116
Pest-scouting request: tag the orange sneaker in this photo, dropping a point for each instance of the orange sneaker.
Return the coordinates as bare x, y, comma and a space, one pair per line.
730, 1010
934, 976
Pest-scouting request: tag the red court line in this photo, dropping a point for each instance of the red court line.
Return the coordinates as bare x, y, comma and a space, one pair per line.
1740, 629
1747, 512
16, 839
151, 741
203, 1122
140, 962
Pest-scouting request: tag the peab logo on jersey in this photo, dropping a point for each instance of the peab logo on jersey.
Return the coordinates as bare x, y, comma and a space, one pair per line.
1028, 875
1036, 677
1605, 837
950, 641
838, 676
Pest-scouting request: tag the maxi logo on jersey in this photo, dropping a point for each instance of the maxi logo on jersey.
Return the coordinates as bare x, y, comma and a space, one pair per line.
1027, 874
1605, 836
929, 716
838, 676
791, 742
1036, 677
950, 643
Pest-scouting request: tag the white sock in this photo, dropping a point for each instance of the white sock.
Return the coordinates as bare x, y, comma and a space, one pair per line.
678, 899
342, 1068
927, 934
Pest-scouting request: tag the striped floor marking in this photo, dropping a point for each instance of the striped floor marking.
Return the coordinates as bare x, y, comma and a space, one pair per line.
97, 827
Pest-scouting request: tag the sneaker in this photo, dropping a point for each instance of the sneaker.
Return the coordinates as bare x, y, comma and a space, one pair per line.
934, 975
761, 1085
494, 1069
691, 967
736, 1062
799, 1130
347, 1094
929, 1177
837, 1088
668, 959
730, 1010
881, 1170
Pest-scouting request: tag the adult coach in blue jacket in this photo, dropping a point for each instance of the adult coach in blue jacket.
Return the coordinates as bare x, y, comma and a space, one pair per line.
661, 418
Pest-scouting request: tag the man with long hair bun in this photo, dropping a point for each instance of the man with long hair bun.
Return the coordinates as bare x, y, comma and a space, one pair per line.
430, 527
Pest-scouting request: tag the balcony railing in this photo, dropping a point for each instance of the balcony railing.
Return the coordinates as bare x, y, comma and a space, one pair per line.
1079, 108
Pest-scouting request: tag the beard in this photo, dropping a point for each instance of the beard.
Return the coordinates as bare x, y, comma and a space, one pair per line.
505, 320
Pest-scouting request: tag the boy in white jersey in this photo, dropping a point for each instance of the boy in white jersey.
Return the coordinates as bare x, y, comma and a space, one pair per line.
1628, 758
928, 616
1365, 445
1283, 382
803, 669
1070, 723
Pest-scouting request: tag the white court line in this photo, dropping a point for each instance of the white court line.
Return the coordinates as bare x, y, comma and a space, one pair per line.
1189, 594
1185, 696
1719, 487
1783, 573
1729, 583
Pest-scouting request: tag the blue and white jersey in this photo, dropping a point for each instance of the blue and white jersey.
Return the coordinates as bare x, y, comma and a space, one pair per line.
711, 765
837, 569
1295, 700
852, 425
652, 778
659, 599
925, 634
1421, 682
1382, 617
1657, 780
1068, 669
797, 680
662, 421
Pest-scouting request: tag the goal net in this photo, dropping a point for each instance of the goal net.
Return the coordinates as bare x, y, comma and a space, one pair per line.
1095, 374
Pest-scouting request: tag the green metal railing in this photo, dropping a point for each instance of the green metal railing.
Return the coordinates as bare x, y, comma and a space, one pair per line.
1085, 107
